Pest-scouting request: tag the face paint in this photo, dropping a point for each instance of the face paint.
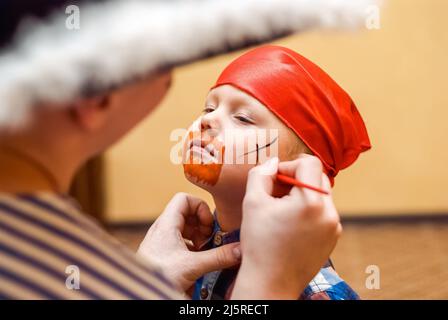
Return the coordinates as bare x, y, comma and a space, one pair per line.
203, 162
260, 148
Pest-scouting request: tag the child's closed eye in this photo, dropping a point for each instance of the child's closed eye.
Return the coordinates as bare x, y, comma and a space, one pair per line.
239, 116
208, 109
244, 119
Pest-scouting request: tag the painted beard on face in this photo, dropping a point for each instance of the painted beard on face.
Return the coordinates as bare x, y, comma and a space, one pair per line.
203, 158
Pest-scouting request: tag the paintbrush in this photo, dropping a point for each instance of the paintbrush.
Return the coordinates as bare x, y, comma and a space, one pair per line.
293, 182
286, 179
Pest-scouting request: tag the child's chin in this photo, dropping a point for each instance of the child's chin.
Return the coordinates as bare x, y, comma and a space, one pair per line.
200, 182
203, 175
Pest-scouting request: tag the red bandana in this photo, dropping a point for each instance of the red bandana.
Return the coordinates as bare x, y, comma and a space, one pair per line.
306, 99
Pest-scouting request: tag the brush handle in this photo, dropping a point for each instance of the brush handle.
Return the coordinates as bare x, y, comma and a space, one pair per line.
293, 182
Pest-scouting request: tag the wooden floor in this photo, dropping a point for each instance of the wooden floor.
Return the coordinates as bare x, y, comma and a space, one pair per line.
412, 258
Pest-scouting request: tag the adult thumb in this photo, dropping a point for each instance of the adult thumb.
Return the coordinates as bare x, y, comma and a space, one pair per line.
218, 258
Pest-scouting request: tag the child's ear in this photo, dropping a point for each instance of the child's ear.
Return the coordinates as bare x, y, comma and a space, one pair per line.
91, 113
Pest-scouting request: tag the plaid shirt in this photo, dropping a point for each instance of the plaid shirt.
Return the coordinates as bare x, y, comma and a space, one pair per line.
218, 285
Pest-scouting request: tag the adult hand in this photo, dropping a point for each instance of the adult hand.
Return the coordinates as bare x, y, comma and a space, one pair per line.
173, 240
286, 240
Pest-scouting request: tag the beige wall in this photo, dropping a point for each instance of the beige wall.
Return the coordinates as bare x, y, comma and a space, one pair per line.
398, 77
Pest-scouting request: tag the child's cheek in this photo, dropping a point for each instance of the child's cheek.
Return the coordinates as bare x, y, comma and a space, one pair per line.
234, 176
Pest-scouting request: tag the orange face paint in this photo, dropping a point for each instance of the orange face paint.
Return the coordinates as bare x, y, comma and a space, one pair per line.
195, 166
204, 173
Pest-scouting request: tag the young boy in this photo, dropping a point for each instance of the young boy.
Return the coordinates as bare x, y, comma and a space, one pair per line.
269, 102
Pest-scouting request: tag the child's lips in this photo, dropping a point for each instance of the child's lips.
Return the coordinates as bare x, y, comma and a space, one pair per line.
204, 149
202, 154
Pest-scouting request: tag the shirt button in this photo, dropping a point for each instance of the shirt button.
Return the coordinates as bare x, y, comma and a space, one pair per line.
218, 239
204, 293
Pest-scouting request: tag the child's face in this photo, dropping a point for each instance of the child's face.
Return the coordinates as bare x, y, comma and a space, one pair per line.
235, 133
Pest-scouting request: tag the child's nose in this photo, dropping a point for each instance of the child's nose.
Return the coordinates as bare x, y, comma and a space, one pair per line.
210, 125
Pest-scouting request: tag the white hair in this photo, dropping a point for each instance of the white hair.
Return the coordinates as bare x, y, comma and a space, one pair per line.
120, 40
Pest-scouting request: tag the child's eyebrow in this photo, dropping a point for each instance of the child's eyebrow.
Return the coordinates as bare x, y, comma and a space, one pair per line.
240, 101
214, 100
